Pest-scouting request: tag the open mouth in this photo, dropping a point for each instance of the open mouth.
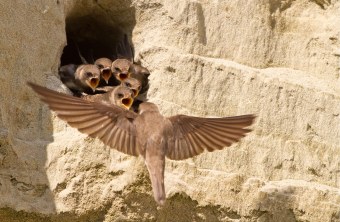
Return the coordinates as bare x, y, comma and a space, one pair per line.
135, 92
106, 74
123, 76
94, 82
127, 102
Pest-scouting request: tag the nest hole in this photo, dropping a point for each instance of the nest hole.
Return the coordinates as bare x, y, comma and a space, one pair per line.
94, 32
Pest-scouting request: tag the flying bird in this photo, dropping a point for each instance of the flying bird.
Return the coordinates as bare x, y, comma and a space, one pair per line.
117, 95
83, 78
147, 133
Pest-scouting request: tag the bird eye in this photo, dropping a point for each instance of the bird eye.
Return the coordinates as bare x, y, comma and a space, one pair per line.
120, 95
100, 66
89, 74
127, 84
117, 69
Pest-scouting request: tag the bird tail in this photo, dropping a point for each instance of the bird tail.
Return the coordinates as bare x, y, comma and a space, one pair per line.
156, 171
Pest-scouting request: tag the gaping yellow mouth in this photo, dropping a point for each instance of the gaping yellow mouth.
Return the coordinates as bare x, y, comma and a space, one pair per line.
94, 83
127, 102
123, 76
106, 74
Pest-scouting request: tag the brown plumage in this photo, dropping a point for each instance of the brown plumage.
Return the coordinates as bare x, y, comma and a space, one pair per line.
82, 78
142, 74
130, 83
133, 84
147, 133
117, 95
121, 69
125, 61
104, 65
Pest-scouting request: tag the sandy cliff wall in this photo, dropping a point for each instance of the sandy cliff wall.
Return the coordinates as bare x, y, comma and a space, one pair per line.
277, 59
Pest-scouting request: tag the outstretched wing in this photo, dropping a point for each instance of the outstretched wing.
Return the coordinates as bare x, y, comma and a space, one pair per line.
193, 135
111, 124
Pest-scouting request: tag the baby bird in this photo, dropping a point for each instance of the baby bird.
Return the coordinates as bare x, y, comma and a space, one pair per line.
142, 74
106, 78
134, 85
119, 95
121, 69
80, 79
130, 83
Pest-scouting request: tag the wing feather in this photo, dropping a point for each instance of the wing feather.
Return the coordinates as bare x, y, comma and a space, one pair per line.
197, 148
193, 135
105, 127
111, 124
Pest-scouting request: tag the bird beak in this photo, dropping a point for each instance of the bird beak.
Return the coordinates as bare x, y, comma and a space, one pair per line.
106, 74
123, 76
127, 102
94, 83
135, 93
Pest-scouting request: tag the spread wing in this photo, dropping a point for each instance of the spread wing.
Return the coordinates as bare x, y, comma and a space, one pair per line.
111, 124
193, 135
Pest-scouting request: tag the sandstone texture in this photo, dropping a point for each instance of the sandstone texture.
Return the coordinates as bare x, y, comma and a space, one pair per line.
278, 59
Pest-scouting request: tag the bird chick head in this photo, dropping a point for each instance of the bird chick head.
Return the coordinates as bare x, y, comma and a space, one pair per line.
104, 65
121, 69
90, 75
134, 84
122, 96
141, 69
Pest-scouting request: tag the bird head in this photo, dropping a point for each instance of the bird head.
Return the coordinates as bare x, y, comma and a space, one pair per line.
141, 69
90, 75
121, 69
104, 65
122, 96
133, 84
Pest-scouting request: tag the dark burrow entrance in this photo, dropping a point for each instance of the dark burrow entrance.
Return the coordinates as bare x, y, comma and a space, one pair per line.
96, 30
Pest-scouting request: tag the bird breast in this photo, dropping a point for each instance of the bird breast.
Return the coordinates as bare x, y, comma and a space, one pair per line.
151, 126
